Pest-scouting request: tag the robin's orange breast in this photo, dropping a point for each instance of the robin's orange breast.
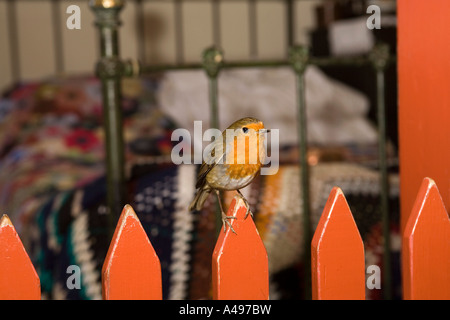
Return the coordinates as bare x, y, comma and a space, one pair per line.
244, 161
231, 177
238, 171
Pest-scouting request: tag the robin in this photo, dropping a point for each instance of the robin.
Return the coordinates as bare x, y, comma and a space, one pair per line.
233, 163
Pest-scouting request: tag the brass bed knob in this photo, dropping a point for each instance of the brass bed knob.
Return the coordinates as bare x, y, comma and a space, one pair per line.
107, 4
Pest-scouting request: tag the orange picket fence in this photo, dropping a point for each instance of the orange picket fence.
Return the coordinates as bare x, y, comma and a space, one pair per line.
337, 253
132, 270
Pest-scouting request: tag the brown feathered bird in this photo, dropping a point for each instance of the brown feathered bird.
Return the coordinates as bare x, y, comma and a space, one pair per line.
232, 163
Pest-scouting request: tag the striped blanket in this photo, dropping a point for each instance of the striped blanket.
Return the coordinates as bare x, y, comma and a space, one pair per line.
71, 228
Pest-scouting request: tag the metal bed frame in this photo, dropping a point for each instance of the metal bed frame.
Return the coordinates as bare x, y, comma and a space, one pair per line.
111, 69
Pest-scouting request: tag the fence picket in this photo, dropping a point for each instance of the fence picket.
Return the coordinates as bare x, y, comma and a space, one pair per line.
337, 253
426, 247
131, 269
18, 278
240, 265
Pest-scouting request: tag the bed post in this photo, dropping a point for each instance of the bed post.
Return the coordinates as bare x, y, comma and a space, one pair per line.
110, 69
379, 58
299, 59
212, 63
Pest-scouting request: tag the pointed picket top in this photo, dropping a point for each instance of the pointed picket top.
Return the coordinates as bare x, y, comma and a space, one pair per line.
18, 278
131, 269
337, 253
240, 268
426, 247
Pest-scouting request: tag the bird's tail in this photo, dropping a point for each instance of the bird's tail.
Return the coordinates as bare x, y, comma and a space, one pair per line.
199, 199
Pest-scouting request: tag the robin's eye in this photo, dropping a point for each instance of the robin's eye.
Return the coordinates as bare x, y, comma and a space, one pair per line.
245, 129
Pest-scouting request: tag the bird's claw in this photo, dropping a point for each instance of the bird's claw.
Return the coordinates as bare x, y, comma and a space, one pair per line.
225, 222
225, 218
247, 206
248, 210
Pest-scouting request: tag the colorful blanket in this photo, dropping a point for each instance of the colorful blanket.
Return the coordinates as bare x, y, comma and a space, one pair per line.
51, 138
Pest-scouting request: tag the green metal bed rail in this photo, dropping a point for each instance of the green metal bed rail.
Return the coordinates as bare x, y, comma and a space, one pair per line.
111, 69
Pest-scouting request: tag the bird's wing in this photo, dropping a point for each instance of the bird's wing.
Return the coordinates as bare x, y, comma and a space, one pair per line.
214, 154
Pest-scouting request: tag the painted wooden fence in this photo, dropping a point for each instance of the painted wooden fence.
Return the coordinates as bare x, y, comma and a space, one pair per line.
426, 247
18, 278
131, 269
337, 253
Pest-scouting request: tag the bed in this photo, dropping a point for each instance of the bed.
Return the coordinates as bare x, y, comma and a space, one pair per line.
56, 174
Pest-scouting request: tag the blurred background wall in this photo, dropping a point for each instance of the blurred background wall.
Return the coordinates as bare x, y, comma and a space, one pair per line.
27, 32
